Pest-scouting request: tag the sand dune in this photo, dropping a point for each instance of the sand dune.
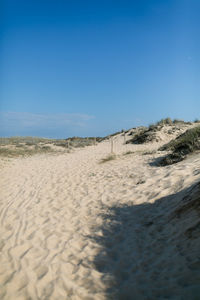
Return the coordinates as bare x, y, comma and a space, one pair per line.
72, 228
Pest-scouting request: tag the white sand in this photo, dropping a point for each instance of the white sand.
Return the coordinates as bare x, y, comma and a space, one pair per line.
72, 228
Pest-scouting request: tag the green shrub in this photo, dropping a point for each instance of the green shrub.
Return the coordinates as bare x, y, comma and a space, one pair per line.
186, 143
190, 139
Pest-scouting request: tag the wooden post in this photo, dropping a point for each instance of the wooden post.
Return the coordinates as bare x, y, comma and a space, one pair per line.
124, 138
95, 141
111, 143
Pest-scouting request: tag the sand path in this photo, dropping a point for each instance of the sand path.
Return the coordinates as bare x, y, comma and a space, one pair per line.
58, 239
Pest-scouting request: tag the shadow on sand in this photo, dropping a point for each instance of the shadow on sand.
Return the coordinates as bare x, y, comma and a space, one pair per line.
151, 251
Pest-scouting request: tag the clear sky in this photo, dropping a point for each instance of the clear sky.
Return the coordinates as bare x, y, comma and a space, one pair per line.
92, 67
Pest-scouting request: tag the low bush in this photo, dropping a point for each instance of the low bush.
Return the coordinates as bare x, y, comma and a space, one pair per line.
108, 158
128, 152
166, 121
186, 143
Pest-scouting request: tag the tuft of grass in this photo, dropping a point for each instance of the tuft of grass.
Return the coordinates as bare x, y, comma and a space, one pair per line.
166, 121
108, 158
60, 144
178, 121
46, 148
184, 144
19, 145
128, 153
149, 152
29, 143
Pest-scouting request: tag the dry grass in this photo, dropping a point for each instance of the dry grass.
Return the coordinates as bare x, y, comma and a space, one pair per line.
108, 158
23, 150
26, 146
128, 153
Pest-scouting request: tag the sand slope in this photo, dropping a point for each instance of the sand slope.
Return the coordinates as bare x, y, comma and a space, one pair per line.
72, 228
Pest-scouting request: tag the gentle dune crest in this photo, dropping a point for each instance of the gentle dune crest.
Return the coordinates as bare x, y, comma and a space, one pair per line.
75, 228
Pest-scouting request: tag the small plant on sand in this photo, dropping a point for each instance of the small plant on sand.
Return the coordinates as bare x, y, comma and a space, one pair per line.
149, 152
108, 158
166, 121
178, 121
128, 152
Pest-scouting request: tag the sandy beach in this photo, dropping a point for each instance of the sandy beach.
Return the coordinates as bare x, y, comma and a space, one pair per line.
75, 228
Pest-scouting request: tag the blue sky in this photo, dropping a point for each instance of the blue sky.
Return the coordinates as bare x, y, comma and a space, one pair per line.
93, 67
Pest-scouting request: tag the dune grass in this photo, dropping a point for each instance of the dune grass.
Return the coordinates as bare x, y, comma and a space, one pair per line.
128, 153
144, 135
108, 158
186, 143
23, 151
188, 140
27, 146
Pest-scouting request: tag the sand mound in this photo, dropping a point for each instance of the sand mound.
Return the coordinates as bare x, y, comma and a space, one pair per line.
75, 228
158, 133
184, 144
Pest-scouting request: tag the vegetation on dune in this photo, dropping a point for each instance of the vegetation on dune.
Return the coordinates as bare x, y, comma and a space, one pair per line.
19, 140
148, 134
83, 141
144, 134
186, 143
180, 147
169, 121
189, 139
166, 121
23, 151
26, 146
